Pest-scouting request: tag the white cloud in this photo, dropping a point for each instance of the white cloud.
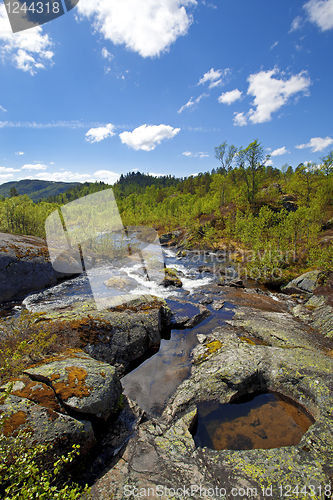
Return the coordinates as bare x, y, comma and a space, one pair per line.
316, 144
2, 109
4, 177
240, 119
214, 77
37, 166
191, 103
209, 5
106, 176
106, 54
64, 176
320, 12
146, 137
100, 133
270, 94
27, 50
274, 45
280, 151
230, 97
8, 169
296, 24
200, 154
19, 153
148, 27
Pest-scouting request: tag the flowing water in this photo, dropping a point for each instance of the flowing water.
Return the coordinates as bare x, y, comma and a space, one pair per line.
157, 378
252, 424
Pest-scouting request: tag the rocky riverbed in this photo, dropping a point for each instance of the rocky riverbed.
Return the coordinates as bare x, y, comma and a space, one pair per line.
217, 342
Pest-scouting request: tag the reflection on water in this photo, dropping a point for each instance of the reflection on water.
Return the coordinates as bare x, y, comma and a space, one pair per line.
152, 383
155, 380
266, 421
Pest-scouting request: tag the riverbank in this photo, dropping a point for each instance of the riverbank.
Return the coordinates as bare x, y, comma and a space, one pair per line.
261, 340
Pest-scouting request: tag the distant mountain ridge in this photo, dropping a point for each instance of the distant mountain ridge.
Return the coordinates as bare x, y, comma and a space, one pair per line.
36, 189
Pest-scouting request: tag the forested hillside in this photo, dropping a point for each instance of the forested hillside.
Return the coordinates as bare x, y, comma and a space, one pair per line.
284, 217
35, 188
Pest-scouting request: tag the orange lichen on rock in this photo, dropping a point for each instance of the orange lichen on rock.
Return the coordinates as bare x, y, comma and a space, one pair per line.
14, 421
39, 393
74, 386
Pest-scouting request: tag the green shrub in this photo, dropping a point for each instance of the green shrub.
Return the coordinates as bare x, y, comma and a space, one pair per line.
26, 474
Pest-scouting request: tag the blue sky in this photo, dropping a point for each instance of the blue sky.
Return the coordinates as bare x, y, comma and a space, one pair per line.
155, 85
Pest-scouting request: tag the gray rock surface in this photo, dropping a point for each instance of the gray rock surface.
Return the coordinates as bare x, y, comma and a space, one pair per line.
162, 455
118, 335
304, 284
24, 266
46, 425
82, 384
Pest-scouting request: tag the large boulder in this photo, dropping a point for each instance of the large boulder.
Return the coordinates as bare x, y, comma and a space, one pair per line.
82, 384
118, 335
45, 425
304, 284
25, 266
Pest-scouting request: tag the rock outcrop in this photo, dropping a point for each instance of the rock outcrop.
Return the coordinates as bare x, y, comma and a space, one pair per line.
286, 356
304, 284
56, 400
82, 384
46, 425
25, 266
118, 336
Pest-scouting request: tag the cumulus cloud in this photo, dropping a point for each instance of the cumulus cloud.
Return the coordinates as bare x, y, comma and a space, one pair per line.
316, 144
230, 97
280, 151
214, 77
8, 169
19, 153
148, 27
270, 94
239, 119
106, 176
192, 103
4, 177
200, 154
2, 109
99, 133
28, 50
320, 12
37, 166
146, 137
